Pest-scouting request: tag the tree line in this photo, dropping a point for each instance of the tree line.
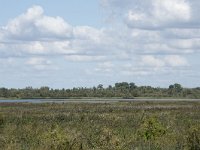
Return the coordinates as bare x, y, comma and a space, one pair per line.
118, 90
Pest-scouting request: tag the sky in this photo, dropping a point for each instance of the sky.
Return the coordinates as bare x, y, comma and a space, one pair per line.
65, 44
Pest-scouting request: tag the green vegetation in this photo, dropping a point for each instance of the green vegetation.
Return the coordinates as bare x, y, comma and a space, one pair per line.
112, 126
119, 90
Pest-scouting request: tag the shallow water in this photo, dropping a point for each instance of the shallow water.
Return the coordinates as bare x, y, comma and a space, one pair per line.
85, 100
58, 101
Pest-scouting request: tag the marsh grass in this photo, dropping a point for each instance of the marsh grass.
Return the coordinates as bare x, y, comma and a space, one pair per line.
111, 126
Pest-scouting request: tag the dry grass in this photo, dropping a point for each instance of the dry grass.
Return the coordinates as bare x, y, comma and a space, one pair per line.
135, 125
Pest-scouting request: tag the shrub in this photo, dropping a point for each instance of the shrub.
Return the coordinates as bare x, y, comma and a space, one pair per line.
193, 139
151, 129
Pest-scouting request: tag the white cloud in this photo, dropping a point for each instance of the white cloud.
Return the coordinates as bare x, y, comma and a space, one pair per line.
182, 33
164, 61
40, 63
169, 10
84, 58
105, 67
54, 27
161, 48
87, 33
176, 61
188, 44
34, 33
152, 61
34, 25
44, 35
163, 14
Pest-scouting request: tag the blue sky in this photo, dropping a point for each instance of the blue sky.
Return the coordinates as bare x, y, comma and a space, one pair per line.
76, 12
74, 43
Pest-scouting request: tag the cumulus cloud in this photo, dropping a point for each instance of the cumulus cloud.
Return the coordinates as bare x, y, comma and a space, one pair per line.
176, 61
168, 10
164, 14
152, 61
34, 25
105, 67
167, 27
40, 63
155, 14
34, 33
84, 58
169, 60
153, 36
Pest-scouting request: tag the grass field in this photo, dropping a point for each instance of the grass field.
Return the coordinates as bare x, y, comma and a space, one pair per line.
110, 126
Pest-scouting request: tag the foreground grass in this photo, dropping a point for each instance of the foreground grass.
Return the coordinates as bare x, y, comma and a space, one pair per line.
71, 126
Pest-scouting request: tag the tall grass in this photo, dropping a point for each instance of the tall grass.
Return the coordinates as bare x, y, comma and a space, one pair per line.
116, 126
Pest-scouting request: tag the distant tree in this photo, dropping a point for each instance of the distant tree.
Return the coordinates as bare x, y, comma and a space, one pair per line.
132, 85
100, 86
171, 87
44, 91
175, 90
4, 92
121, 89
178, 87
122, 85
110, 87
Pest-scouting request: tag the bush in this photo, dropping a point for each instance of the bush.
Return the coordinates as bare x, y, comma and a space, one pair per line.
151, 129
1, 121
193, 139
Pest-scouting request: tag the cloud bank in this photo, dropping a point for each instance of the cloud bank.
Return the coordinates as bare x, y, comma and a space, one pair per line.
150, 37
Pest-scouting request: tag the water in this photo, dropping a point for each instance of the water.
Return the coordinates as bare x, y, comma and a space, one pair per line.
24, 101
58, 101
85, 100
